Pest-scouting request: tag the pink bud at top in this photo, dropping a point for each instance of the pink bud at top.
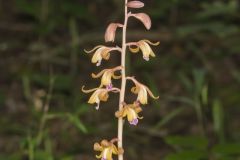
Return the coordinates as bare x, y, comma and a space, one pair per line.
135, 4
111, 31
144, 18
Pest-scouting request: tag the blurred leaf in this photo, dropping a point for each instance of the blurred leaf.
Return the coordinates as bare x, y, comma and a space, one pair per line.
185, 100
62, 82
153, 87
199, 78
26, 87
187, 155
74, 9
77, 122
28, 7
48, 147
218, 8
2, 98
68, 158
227, 149
218, 119
42, 155
204, 95
168, 117
191, 142
13, 156
186, 82
217, 28
236, 75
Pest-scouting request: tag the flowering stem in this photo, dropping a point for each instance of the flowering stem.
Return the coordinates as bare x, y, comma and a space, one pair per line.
123, 84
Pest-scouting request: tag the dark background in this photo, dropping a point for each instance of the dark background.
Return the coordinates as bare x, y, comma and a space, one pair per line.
44, 114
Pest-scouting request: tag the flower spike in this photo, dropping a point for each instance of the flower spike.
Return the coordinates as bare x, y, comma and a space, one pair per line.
145, 48
142, 91
107, 149
131, 112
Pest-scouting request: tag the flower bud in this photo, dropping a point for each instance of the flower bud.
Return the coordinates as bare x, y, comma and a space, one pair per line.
135, 4
144, 18
111, 32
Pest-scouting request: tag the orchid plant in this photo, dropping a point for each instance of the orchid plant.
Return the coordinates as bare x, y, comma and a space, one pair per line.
101, 93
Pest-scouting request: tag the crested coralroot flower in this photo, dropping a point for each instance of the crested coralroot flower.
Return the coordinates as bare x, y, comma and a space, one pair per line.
131, 111
142, 91
99, 94
107, 75
145, 48
101, 52
107, 149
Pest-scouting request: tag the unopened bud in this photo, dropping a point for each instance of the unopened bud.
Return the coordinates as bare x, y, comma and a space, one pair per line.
135, 4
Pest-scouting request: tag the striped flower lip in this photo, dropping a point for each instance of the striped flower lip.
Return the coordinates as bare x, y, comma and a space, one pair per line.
101, 52
134, 122
144, 46
131, 112
99, 94
107, 149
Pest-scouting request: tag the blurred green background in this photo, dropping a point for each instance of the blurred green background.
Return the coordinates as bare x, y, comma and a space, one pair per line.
45, 116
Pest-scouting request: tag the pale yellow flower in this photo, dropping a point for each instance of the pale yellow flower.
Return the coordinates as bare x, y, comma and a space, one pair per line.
107, 75
144, 46
107, 149
101, 52
131, 112
99, 94
142, 91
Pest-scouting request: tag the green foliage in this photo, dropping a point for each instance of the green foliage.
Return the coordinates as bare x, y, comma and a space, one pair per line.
218, 119
187, 142
197, 148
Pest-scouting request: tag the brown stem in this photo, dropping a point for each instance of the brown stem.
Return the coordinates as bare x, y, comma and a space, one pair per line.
123, 84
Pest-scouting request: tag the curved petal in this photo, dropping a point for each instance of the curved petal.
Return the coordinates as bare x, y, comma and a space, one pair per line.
116, 77
154, 44
88, 91
99, 74
134, 50
99, 156
99, 46
151, 94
